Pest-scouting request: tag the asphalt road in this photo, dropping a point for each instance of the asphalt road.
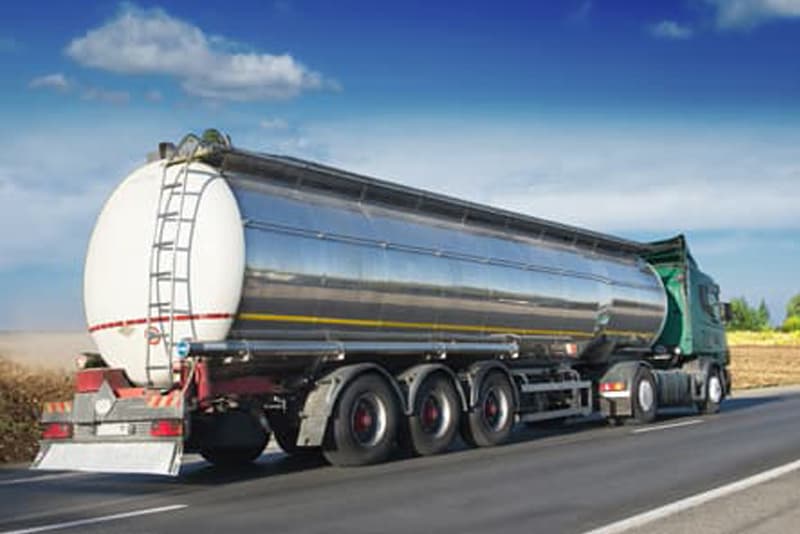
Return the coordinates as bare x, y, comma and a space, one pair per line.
580, 477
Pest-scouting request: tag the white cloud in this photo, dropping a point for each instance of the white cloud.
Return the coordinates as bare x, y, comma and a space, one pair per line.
669, 29
55, 81
274, 124
746, 14
151, 41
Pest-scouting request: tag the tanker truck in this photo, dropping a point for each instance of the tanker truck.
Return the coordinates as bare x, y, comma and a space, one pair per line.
236, 297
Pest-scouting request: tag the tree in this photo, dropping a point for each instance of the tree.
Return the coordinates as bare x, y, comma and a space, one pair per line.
793, 307
762, 315
745, 317
792, 321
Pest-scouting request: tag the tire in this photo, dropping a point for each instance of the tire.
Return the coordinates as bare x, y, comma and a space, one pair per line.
490, 422
715, 393
233, 439
644, 397
437, 412
363, 426
232, 456
286, 429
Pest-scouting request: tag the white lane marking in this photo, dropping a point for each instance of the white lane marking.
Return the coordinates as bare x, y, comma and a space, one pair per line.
25, 480
696, 500
101, 519
664, 427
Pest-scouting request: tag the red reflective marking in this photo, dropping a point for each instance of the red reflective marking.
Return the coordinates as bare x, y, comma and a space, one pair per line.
164, 428
57, 431
162, 319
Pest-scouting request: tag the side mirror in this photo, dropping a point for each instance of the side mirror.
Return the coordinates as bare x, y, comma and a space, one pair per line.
725, 312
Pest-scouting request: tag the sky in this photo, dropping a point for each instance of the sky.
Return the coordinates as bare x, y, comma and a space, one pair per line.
640, 119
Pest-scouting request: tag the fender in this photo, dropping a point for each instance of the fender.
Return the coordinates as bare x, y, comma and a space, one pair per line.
700, 368
618, 403
413, 378
476, 374
319, 403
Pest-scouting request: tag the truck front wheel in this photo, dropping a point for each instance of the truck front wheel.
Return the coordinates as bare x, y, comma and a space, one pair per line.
363, 427
715, 392
644, 397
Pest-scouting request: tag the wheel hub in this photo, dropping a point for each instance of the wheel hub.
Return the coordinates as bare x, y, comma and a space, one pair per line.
368, 420
495, 408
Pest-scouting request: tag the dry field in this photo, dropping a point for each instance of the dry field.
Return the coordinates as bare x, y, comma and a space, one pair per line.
52, 350
756, 366
22, 391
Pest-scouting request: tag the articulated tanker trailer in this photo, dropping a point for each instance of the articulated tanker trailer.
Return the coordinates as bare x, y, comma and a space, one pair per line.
236, 296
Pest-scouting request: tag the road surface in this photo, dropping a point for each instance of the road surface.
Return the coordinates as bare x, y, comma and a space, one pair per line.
581, 477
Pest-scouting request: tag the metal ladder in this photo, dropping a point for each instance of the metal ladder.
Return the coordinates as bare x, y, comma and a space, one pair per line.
175, 217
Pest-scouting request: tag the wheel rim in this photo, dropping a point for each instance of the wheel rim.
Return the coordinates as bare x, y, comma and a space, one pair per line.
368, 419
714, 389
435, 415
495, 409
646, 395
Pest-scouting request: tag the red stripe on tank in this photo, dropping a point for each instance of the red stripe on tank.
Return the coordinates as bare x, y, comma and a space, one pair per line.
161, 319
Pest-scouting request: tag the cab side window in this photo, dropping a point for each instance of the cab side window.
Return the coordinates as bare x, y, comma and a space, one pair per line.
709, 298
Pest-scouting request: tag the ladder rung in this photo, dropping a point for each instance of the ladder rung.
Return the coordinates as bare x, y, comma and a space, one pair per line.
180, 280
186, 194
170, 246
168, 214
160, 274
159, 304
173, 185
156, 367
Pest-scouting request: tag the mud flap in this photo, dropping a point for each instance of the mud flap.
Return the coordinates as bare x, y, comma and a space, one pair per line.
162, 457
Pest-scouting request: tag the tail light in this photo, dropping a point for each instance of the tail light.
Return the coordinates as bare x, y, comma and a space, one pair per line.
612, 386
166, 428
57, 431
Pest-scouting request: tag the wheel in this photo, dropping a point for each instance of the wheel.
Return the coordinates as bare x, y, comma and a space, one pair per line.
363, 426
232, 438
715, 392
285, 429
490, 422
644, 399
437, 410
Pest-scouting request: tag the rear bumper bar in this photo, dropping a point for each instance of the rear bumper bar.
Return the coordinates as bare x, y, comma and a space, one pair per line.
111, 432
162, 457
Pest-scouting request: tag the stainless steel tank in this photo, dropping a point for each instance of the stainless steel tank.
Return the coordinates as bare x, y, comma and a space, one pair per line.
326, 259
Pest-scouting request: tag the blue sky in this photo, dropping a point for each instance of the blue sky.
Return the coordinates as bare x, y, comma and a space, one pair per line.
643, 119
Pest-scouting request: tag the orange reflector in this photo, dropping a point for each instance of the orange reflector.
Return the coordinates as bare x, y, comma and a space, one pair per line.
57, 431
612, 386
166, 428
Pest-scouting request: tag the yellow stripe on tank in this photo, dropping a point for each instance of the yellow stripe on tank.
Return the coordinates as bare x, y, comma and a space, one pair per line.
373, 323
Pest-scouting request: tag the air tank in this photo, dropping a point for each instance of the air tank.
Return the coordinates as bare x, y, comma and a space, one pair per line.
223, 244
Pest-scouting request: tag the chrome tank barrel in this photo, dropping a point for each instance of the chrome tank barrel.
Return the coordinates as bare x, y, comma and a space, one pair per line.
324, 265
